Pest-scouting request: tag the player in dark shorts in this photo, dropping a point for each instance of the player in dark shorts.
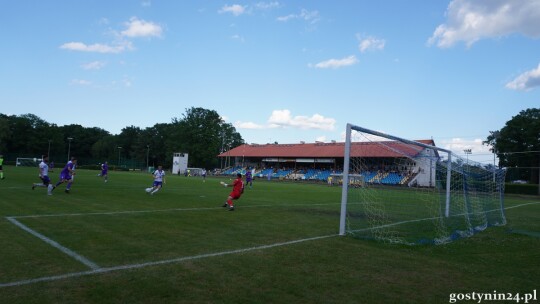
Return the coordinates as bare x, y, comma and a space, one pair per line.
238, 189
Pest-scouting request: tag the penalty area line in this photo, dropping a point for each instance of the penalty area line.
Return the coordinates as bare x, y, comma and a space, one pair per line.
164, 210
156, 263
54, 244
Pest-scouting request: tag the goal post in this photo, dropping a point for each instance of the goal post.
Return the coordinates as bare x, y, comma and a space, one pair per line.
394, 189
346, 166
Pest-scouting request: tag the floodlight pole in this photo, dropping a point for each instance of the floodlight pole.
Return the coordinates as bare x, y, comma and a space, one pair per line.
467, 152
147, 155
69, 146
495, 168
119, 148
222, 145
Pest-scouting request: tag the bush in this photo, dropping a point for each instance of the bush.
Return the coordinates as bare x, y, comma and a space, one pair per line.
89, 167
528, 189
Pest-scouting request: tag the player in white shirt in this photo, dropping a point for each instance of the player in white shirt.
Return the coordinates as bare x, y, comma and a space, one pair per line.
72, 169
44, 176
159, 180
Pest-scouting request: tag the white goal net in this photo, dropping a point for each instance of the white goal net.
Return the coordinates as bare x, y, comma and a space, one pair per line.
27, 162
403, 191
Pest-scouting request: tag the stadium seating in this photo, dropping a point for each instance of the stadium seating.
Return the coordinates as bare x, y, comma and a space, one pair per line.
373, 177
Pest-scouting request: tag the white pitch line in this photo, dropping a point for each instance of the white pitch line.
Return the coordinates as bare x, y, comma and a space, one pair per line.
516, 206
56, 245
155, 263
436, 217
159, 210
111, 212
170, 261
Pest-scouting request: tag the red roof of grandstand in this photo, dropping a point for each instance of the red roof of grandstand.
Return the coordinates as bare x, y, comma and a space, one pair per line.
317, 150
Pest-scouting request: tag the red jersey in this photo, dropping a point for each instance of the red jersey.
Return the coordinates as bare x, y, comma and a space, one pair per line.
238, 186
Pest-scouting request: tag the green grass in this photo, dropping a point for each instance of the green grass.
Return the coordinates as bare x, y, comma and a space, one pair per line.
117, 224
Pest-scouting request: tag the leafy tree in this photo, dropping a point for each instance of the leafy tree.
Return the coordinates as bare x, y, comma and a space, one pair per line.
5, 132
517, 144
152, 140
105, 149
23, 138
82, 140
201, 133
127, 139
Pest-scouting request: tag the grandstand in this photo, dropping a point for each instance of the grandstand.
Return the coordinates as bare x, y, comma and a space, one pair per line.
317, 161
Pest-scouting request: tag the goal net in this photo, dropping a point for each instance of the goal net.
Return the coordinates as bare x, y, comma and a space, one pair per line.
27, 162
412, 192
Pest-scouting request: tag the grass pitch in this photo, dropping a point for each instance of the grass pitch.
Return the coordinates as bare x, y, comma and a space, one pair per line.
112, 242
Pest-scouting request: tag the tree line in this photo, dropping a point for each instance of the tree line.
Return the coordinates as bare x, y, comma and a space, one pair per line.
517, 144
199, 132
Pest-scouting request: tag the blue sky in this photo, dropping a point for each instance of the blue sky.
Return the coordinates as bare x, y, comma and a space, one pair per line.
285, 71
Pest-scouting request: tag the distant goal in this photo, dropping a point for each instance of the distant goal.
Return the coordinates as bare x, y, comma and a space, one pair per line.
404, 191
27, 162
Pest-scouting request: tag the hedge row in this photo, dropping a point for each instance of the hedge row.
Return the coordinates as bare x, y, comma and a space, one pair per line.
528, 189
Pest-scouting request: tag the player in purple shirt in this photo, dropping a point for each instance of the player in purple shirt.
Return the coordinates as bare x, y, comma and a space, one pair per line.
67, 173
249, 177
104, 171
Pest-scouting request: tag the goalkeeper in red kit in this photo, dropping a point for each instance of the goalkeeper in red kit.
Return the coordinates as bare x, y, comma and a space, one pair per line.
238, 189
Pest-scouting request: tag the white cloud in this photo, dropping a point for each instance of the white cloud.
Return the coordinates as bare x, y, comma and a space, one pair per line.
94, 65
97, 47
127, 82
370, 43
141, 28
321, 138
267, 5
247, 125
235, 9
286, 18
311, 17
237, 37
479, 152
146, 3
80, 82
336, 63
526, 81
472, 20
283, 118
134, 28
